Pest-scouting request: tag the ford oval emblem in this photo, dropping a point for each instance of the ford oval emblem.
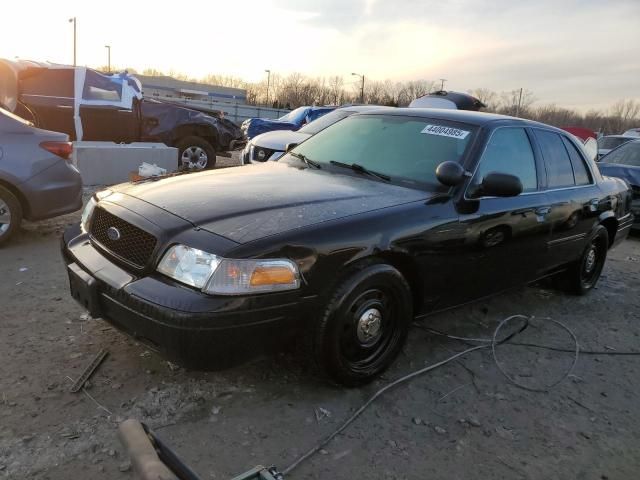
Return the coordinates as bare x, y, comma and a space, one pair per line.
113, 233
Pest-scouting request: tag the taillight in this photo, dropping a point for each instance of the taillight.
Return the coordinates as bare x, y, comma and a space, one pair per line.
61, 149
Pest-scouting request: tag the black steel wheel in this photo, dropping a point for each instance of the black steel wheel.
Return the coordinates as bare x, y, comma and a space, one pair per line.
584, 274
363, 326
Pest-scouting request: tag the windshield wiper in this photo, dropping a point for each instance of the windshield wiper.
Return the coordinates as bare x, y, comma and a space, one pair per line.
306, 160
360, 169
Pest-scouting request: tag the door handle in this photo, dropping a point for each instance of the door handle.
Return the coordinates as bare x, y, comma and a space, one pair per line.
542, 211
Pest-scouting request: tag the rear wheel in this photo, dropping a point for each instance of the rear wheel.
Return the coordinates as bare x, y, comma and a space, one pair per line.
364, 325
10, 214
584, 274
195, 153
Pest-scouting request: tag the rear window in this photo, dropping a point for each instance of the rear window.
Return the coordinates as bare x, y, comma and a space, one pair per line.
52, 82
556, 158
628, 154
6, 117
610, 143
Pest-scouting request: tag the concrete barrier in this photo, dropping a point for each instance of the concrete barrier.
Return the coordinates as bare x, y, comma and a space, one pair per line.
106, 163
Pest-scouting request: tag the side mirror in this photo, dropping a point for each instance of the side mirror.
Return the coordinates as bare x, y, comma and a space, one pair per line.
499, 185
290, 146
450, 173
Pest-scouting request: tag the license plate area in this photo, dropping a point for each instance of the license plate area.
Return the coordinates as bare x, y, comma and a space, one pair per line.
84, 289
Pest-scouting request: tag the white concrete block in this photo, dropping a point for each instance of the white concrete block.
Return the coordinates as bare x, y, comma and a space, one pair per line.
107, 163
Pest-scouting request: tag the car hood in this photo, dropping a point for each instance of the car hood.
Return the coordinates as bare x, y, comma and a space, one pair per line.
279, 139
251, 202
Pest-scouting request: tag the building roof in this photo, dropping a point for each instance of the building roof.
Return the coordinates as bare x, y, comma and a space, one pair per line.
164, 82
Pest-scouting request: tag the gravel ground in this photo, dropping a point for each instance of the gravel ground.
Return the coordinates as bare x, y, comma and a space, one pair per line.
462, 421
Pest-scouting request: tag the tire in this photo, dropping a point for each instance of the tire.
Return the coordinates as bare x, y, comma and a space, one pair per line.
10, 214
583, 275
195, 153
363, 327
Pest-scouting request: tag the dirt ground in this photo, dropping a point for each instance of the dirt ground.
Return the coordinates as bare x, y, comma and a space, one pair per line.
462, 421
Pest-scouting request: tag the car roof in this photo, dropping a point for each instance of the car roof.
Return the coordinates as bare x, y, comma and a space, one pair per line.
364, 108
464, 116
619, 136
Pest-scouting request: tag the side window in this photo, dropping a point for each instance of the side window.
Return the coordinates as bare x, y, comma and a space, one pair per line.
580, 170
556, 158
509, 151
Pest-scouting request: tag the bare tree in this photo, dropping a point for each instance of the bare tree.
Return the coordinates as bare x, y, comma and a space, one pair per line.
336, 89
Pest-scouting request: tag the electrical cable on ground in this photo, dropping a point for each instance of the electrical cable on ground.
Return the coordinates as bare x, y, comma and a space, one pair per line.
523, 344
401, 380
486, 343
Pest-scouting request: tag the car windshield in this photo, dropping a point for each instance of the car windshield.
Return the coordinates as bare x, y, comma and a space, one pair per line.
628, 154
295, 116
407, 149
324, 121
612, 142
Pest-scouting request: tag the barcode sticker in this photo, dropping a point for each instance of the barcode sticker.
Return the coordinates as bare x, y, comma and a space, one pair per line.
445, 131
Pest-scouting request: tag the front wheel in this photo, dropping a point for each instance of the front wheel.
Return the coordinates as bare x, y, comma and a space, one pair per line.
584, 274
195, 153
364, 325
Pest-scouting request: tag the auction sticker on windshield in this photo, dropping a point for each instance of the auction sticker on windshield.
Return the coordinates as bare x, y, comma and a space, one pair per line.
445, 131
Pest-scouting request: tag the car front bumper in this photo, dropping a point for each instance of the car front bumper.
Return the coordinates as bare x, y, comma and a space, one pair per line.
186, 326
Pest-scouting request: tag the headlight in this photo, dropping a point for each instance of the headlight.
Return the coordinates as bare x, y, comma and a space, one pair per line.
188, 265
90, 207
223, 276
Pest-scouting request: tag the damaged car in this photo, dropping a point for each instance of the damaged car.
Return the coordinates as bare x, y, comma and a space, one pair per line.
291, 121
88, 105
380, 218
624, 162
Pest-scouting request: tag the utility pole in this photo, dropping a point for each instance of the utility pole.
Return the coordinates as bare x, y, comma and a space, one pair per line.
75, 39
361, 86
108, 47
519, 103
268, 81
442, 80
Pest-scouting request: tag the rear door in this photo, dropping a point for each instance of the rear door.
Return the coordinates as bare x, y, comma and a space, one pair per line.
573, 196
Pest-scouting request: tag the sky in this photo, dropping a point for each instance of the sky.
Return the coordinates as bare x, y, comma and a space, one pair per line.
575, 53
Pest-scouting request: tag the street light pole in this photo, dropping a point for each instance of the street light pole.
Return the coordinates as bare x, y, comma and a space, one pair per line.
361, 86
442, 80
108, 47
268, 81
75, 38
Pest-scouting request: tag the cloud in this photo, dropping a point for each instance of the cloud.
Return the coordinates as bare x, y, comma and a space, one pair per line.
577, 53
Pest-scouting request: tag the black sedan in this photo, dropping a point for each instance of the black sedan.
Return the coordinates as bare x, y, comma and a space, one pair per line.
376, 220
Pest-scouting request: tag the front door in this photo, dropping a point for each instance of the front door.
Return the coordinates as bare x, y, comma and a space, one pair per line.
505, 239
